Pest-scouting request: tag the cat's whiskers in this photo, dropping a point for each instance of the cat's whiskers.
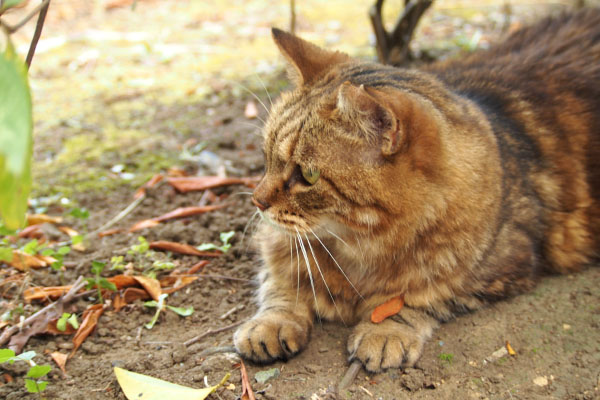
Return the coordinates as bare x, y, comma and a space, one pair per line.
248, 224
337, 237
297, 270
323, 278
251, 92
264, 87
259, 133
336, 263
312, 283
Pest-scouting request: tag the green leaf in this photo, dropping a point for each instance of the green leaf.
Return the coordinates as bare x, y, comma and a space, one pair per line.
64, 250
6, 254
73, 321
97, 267
207, 247
31, 247
47, 252
80, 213
91, 282
61, 324
77, 239
37, 371
5, 355
4, 231
225, 236
6, 4
183, 311
35, 386
16, 141
103, 283
150, 303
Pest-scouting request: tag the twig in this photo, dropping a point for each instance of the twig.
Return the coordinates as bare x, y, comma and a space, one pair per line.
350, 375
38, 32
67, 297
235, 309
215, 350
19, 25
229, 278
120, 215
196, 339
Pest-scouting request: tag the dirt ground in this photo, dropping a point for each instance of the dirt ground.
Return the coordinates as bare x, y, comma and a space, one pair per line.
554, 330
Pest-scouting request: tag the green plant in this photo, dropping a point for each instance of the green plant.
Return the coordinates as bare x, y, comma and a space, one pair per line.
79, 213
99, 282
116, 263
139, 249
225, 237
161, 305
446, 358
71, 319
33, 381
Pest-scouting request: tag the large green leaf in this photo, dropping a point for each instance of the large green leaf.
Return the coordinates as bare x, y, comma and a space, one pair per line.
16, 126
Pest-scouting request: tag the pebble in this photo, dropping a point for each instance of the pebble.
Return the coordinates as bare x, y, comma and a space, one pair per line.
323, 350
540, 381
501, 352
267, 375
66, 346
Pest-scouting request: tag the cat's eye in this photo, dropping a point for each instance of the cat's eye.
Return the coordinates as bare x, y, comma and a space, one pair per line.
310, 175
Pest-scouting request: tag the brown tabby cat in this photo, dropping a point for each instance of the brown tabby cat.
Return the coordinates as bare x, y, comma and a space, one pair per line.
451, 187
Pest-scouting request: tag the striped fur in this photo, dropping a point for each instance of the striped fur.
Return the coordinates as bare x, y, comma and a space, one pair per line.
451, 186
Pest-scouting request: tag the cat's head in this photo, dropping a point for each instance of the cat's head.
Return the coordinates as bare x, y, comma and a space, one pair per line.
347, 149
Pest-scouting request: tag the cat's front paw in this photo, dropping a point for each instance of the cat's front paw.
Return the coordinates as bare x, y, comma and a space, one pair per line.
386, 345
272, 336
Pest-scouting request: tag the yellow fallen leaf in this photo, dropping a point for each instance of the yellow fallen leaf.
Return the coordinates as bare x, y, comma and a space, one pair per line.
137, 386
510, 350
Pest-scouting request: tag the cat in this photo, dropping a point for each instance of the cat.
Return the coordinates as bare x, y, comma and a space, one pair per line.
451, 187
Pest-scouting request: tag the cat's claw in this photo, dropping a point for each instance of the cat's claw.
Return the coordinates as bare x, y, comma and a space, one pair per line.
386, 345
270, 337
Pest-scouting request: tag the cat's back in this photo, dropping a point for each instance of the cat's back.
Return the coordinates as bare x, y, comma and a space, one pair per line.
540, 91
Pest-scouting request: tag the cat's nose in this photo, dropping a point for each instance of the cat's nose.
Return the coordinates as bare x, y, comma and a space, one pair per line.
262, 206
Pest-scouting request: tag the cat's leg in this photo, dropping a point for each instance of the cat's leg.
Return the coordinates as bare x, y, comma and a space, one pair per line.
280, 328
396, 342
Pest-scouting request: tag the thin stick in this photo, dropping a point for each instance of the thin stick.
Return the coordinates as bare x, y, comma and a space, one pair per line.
38, 32
120, 215
350, 375
19, 25
229, 278
67, 297
196, 339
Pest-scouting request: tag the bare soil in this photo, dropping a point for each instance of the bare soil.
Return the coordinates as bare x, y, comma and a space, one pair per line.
554, 329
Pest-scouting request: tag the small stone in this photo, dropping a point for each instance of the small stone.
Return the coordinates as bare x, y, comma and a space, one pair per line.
541, 381
65, 346
180, 354
323, 350
264, 376
566, 327
501, 352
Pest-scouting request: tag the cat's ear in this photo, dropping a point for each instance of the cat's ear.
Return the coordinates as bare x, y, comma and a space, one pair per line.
363, 109
307, 60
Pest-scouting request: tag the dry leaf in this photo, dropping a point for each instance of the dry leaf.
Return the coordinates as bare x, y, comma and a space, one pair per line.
49, 292
152, 182
387, 309
197, 267
176, 171
187, 212
61, 360
123, 281
173, 283
132, 294
138, 386
510, 350
251, 111
36, 219
23, 261
189, 184
90, 320
118, 302
109, 232
182, 249
31, 232
247, 393
147, 223
53, 330
151, 285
